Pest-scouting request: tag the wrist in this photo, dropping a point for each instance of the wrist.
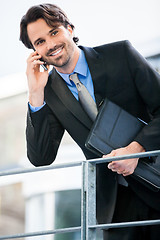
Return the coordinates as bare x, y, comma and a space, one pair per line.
136, 147
36, 99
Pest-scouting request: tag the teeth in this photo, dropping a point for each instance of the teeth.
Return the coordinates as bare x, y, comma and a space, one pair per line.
57, 52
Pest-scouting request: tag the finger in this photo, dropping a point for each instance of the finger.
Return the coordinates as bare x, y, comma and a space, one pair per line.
33, 54
121, 172
111, 154
117, 171
34, 59
112, 166
114, 170
39, 62
127, 173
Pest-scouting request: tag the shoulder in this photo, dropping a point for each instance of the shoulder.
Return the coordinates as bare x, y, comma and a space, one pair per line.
110, 48
114, 46
117, 44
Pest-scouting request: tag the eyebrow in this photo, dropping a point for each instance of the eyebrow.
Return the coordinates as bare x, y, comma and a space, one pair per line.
35, 42
53, 29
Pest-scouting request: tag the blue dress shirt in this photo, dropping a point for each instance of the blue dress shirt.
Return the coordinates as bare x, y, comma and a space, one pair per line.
84, 76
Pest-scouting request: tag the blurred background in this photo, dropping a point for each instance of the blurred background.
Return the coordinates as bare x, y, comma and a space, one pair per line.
35, 202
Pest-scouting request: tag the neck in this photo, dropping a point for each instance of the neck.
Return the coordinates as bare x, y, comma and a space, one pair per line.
70, 66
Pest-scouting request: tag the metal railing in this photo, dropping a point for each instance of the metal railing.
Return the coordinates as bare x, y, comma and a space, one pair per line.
88, 198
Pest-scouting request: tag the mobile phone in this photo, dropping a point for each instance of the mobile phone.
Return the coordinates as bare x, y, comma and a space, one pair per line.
43, 65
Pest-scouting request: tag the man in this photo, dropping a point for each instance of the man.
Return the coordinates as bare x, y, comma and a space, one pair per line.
115, 71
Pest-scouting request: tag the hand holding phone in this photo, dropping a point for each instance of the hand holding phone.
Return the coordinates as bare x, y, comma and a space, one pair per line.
43, 65
36, 78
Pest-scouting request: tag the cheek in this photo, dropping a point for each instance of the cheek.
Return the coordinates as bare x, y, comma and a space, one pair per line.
41, 50
69, 41
71, 46
67, 36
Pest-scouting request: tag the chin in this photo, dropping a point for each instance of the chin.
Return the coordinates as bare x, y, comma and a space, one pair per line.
59, 63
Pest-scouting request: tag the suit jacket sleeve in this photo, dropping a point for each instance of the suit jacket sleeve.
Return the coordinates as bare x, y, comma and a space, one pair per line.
43, 134
147, 82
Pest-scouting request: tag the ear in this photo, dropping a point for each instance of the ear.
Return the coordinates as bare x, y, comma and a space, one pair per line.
70, 29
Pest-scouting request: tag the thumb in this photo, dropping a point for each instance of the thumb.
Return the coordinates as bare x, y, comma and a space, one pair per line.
111, 154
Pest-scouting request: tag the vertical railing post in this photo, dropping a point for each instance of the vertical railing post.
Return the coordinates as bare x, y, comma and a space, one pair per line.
83, 202
90, 200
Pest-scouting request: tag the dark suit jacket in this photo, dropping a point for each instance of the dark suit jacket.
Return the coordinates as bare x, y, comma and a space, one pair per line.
122, 75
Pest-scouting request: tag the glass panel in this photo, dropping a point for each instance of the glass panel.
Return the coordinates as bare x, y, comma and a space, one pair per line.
68, 213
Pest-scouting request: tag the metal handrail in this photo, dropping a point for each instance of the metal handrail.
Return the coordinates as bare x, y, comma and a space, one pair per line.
42, 233
39, 169
125, 224
79, 163
88, 216
122, 157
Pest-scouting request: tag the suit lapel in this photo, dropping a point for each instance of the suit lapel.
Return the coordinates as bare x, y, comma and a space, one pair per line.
64, 94
97, 69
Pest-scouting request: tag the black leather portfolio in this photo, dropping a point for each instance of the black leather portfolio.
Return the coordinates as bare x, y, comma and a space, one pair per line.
115, 128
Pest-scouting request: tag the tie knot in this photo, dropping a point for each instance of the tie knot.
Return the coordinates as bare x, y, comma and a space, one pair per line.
74, 77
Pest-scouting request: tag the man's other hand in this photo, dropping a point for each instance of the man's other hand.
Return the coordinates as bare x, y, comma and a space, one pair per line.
127, 166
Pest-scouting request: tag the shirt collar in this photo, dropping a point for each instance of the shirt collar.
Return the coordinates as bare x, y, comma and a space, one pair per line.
80, 68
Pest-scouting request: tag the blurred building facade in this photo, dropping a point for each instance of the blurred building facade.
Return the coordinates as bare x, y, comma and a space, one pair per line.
38, 201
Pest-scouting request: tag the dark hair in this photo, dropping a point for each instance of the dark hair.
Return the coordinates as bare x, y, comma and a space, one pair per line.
50, 13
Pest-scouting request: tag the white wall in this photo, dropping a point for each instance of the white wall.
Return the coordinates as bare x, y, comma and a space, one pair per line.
96, 22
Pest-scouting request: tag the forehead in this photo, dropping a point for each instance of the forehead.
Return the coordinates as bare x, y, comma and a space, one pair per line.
39, 29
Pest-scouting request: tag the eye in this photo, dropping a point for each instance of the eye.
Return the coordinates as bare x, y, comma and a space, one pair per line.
40, 42
54, 33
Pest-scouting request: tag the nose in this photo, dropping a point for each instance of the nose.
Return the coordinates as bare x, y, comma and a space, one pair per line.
50, 44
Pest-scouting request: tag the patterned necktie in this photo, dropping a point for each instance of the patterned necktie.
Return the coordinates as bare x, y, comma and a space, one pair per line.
85, 98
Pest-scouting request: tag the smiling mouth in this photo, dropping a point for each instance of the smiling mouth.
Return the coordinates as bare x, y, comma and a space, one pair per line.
56, 52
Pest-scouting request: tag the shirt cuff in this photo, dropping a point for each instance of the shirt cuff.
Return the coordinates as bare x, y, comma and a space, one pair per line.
35, 109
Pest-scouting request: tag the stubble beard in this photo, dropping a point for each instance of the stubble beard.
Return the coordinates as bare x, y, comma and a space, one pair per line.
64, 59
59, 62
